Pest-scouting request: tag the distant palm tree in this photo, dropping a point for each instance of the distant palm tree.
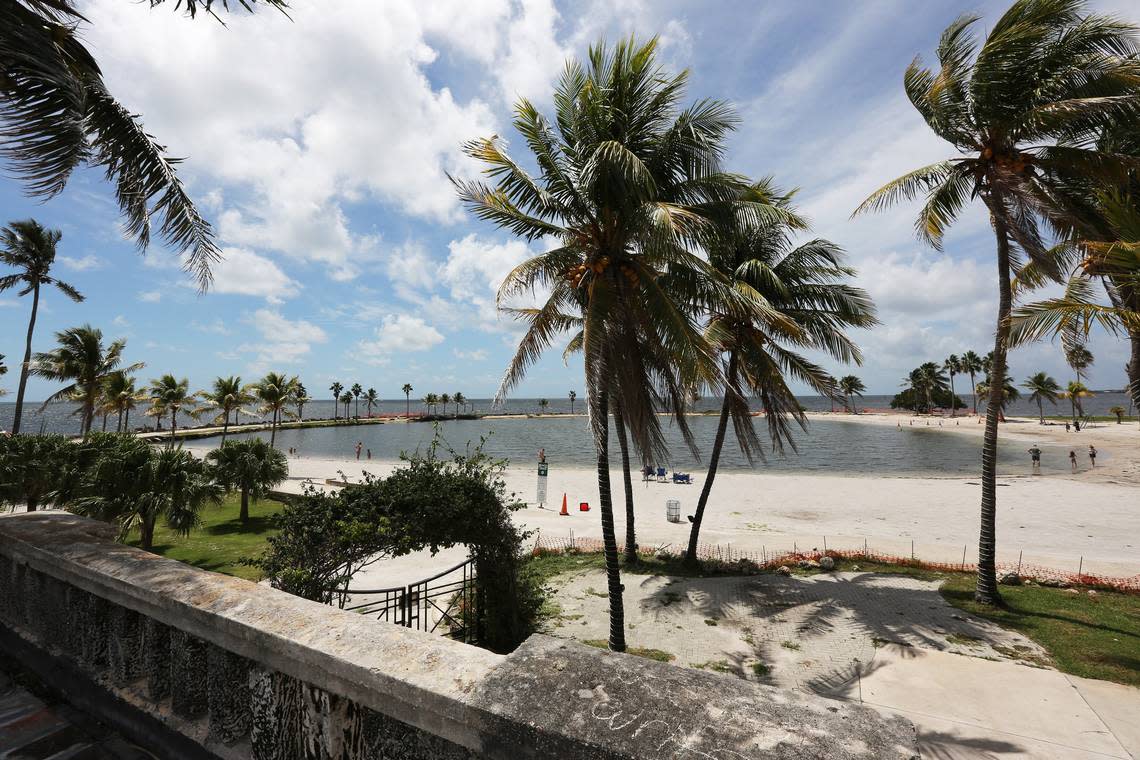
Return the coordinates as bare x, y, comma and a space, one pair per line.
459, 399
542, 404
1075, 391
357, 392
336, 388
168, 395
82, 359
277, 392
346, 399
407, 389
851, 386
301, 398
444, 400
251, 467
952, 365
934, 380
1009, 394
120, 396
1119, 412
226, 397
371, 399
1019, 150
573, 396
971, 364
30, 249
430, 400
1079, 358
1041, 388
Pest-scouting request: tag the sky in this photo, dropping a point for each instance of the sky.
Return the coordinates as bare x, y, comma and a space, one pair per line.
318, 146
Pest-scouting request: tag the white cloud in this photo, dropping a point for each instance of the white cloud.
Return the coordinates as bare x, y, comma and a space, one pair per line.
283, 341
121, 321
82, 264
243, 272
399, 334
474, 270
476, 355
150, 296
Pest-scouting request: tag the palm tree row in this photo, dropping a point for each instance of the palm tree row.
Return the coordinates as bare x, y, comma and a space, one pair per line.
432, 401
1030, 154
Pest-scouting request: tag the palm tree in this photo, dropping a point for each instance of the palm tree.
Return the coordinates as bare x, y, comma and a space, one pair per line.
1019, 150
626, 181
542, 404
1119, 412
444, 400
120, 396
357, 392
934, 380
1009, 394
336, 388
59, 115
572, 396
346, 399
371, 399
952, 365
82, 359
1042, 388
430, 400
30, 249
277, 392
851, 386
407, 389
1075, 391
971, 364
1079, 358
32, 468
459, 399
168, 395
251, 467
226, 397
301, 398
797, 297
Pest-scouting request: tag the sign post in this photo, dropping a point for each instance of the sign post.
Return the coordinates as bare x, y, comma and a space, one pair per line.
542, 472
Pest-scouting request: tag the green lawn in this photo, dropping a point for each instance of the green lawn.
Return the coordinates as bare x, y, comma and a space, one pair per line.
221, 541
1091, 636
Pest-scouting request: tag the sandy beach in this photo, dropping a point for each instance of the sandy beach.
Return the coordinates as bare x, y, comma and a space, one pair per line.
1089, 519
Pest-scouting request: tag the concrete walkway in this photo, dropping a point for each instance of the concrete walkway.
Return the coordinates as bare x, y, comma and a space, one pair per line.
974, 690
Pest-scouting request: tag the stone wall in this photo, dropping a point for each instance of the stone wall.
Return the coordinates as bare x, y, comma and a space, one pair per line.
195, 663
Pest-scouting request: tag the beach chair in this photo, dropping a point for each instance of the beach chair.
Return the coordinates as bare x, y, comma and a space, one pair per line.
682, 477
661, 475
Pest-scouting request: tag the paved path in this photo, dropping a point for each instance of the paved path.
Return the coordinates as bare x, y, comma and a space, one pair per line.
975, 690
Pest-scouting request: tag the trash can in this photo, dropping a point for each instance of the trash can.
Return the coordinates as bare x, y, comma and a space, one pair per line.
673, 510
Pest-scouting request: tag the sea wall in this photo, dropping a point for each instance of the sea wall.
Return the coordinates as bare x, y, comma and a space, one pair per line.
195, 664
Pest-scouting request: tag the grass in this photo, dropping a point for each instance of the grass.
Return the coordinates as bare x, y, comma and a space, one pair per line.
648, 653
1089, 636
221, 541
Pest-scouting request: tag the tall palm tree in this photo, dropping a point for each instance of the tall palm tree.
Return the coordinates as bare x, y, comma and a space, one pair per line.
227, 396
407, 389
300, 398
934, 380
1019, 149
1075, 391
459, 399
851, 386
542, 405
58, 115
371, 399
952, 365
252, 467
82, 359
336, 388
795, 297
277, 392
430, 400
168, 395
971, 364
572, 396
626, 182
357, 392
1042, 388
1008, 393
1079, 358
30, 249
120, 396
346, 399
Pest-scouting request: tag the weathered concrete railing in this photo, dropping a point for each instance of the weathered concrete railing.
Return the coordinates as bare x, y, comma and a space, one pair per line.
196, 664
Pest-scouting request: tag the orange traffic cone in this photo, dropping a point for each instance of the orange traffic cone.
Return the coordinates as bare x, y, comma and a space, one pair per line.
565, 512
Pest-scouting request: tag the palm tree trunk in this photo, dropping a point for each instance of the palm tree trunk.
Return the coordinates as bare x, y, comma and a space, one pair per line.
987, 591
88, 411
119, 424
609, 536
1040, 410
1133, 370
127, 421
146, 533
243, 515
273, 429
407, 406
953, 398
630, 528
27, 365
225, 424
714, 461
173, 425
104, 422
974, 393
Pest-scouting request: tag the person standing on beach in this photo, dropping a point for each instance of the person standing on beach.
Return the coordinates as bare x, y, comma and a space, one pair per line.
1073, 459
369, 455
1092, 455
359, 446
1035, 456
1067, 426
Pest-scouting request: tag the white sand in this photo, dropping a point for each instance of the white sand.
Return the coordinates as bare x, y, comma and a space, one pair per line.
1054, 520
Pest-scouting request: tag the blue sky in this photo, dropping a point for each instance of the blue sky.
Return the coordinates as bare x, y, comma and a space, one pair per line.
318, 148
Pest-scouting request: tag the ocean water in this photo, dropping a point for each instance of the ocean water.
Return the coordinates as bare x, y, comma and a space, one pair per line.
828, 446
